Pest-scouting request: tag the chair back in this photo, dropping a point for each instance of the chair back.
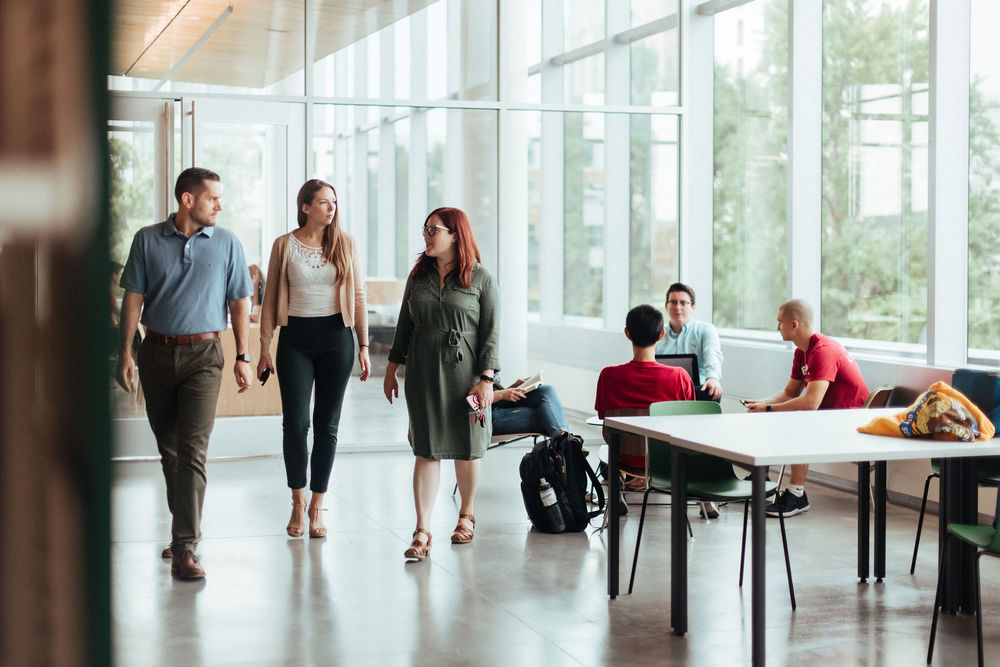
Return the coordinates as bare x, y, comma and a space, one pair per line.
628, 443
901, 397
879, 398
699, 467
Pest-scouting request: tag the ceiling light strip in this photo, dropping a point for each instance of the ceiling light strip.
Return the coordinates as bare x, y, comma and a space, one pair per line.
158, 35
226, 13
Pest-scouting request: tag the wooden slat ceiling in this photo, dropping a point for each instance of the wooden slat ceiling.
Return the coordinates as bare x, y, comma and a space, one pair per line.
260, 43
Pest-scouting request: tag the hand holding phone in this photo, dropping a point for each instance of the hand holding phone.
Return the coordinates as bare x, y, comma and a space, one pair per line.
744, 402
473, 401
263, 376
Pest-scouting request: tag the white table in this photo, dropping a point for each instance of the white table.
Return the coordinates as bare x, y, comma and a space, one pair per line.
761, 440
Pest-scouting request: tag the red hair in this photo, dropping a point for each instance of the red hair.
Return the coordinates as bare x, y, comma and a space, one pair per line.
465, 246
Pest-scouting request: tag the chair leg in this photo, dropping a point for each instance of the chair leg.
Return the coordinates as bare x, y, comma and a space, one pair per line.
788, 562
638, 540
937, 600
743, 547
979, 611
920, 521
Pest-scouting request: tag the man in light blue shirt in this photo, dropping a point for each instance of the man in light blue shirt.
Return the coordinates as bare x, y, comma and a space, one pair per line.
688, 336
182, 275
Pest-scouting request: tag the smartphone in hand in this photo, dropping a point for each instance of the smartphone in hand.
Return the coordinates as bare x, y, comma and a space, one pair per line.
744, 402
473, 401
263, 376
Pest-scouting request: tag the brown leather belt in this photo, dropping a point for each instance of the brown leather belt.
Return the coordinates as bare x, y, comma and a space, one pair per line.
185, 339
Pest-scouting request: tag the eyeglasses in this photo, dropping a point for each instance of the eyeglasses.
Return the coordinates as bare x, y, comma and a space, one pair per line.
675, 302
429, 232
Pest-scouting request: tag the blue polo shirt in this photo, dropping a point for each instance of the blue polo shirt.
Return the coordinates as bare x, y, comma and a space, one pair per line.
186, 282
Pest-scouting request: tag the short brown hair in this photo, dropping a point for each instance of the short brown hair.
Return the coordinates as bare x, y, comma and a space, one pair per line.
193, 180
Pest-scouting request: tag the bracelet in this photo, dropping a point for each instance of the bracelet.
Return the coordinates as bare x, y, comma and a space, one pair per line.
486, 378
364, 345
767, 408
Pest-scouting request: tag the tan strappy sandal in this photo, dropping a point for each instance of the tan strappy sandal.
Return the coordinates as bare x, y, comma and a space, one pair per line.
419, 549
316, 527
463, 535
296, 529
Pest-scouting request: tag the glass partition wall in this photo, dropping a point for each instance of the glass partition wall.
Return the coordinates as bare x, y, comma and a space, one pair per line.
401, 110
572, 134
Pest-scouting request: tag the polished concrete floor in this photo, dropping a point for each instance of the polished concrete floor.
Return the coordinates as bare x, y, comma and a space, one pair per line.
513, 596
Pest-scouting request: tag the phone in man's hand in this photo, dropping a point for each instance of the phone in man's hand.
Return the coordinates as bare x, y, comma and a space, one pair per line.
473, 401
263, 376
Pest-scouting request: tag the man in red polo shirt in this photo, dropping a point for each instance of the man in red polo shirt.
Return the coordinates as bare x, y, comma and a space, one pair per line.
643, 380
831, 380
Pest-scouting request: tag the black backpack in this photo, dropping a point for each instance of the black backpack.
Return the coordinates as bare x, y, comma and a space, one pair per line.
560, 460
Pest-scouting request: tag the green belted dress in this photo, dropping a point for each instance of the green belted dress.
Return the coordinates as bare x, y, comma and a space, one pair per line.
446, 336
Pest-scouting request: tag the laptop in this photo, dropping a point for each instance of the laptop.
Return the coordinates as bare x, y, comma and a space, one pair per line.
688, 362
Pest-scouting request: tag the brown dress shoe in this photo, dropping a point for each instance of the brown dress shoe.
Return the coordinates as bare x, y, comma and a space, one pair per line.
167, 552
185, 566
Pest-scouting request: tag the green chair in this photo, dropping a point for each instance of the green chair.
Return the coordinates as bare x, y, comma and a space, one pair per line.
987, 474
986, 539
710, 479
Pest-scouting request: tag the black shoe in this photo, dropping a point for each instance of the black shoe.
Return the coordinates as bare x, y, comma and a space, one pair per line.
789, 503
708, 510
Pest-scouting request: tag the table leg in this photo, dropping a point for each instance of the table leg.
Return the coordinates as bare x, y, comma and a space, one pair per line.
959, 504
758, 562
678, 541
864, 517
614, 524
880, 505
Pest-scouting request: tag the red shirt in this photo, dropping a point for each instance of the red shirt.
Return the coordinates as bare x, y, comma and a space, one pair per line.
826, 359
636, 385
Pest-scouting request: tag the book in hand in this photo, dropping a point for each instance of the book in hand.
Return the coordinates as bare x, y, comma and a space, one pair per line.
531, 383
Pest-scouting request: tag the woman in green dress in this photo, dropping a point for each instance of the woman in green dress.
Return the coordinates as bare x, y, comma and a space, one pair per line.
447, 334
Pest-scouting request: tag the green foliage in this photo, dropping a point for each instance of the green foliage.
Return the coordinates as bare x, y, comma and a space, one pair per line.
131, 194
750, 176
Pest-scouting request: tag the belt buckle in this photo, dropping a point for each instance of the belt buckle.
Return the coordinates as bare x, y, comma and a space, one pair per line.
170, 340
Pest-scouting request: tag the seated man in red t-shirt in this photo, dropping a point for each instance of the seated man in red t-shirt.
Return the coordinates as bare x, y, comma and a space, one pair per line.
831, 380
643, 380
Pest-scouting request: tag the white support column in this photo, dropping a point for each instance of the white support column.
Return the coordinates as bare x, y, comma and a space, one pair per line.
948, 173
805, 152
512, 231
695, 164
617, 210
417, 184
552, 147
386, 193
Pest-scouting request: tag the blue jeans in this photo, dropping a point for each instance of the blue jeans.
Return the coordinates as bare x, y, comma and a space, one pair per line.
540, 411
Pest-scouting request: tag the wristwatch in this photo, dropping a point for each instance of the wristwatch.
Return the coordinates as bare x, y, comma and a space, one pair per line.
488, 378
767, 408
243, 357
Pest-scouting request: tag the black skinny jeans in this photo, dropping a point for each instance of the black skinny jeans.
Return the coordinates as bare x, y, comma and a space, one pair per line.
312, 350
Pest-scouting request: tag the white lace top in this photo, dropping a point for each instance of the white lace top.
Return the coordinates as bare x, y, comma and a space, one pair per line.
312, 282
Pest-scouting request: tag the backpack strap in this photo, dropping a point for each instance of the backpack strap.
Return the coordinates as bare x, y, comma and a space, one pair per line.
596, 484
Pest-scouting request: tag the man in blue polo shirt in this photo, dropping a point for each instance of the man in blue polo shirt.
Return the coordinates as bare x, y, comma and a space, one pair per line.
182, 274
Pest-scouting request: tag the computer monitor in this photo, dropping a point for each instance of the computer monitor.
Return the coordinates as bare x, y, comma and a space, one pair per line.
688, 362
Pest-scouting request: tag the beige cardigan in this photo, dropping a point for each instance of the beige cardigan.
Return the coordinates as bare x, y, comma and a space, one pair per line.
274, 310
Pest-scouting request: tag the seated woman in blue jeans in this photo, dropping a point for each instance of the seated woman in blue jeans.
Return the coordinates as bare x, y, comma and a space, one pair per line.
535, 411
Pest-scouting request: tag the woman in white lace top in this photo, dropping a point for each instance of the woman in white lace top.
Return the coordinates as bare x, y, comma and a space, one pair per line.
316, 295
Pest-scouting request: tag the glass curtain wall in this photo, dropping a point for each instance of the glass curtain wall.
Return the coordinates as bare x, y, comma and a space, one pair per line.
750, 165
874, 178
984, 181
591, 170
